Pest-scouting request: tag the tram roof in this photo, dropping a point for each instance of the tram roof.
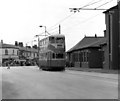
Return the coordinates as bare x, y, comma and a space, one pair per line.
58, 35
55, 35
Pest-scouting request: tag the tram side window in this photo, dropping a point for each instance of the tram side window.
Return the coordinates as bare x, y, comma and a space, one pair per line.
52, 40
59, 40
53, 55
60, 55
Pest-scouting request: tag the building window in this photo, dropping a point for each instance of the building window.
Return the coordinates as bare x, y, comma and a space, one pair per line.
13, 52
87, 57
6, 52
17, 52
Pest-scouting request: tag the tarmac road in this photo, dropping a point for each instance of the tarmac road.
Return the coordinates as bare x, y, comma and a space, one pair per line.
32, 83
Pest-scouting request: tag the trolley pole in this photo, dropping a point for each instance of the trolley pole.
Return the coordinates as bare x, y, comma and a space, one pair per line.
59, 29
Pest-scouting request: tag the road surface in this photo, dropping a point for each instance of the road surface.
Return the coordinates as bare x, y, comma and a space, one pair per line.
32, 83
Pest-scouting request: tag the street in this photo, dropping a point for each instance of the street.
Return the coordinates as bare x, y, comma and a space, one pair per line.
32, 83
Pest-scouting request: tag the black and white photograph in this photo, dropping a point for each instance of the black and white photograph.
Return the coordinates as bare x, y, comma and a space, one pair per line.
59, 49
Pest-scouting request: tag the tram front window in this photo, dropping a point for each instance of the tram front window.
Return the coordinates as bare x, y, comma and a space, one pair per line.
59, 55
52, 39
59, 40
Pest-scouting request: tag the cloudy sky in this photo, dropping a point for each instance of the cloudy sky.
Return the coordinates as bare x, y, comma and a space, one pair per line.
20, 19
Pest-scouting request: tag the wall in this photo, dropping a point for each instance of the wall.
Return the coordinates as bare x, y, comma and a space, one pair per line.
105, 57
95, 59
112, 35
115, 39
119, 30
0, 57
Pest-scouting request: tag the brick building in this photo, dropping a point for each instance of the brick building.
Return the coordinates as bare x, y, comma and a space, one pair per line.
88, 53
119, 30
112, 35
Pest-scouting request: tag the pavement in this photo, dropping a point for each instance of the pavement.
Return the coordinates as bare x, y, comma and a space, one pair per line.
93, 70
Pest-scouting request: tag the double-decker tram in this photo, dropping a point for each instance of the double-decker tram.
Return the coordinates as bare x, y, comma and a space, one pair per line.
52, 52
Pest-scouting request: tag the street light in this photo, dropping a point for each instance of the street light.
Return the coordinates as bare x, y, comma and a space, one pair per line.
32, 42
46, 32
39, 39
45, 29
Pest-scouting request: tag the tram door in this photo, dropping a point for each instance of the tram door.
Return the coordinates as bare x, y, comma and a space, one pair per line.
49, 58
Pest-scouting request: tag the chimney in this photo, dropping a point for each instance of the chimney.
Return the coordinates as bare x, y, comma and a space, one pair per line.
1, 41
104, 33
95, 36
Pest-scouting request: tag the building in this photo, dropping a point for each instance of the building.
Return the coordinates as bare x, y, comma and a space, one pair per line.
88, 53
119, 29
28, 53
112, 35
10, 52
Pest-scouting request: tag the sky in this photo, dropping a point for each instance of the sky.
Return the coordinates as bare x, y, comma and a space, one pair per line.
20, 19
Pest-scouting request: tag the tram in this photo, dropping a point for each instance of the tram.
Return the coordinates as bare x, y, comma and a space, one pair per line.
52, 52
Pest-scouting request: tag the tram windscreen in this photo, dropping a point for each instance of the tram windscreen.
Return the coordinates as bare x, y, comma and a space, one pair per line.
52, 39
59, 55
59, 40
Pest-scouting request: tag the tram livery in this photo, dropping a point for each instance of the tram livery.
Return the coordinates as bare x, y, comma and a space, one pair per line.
52, 52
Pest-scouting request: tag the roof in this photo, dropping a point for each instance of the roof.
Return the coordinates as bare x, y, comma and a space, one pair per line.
8, 46
17, 47
87, 42
28, 49
114, 7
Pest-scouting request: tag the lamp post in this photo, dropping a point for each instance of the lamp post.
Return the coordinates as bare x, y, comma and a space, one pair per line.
39, 39
38, 43
45, 29
32, 42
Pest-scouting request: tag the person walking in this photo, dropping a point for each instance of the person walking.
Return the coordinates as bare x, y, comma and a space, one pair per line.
8, 65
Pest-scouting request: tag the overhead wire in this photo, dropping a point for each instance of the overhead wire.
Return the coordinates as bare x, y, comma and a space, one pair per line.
104, 4
88, 4
86, 20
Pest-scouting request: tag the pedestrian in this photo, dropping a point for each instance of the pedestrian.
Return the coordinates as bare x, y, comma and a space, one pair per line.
8, 65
